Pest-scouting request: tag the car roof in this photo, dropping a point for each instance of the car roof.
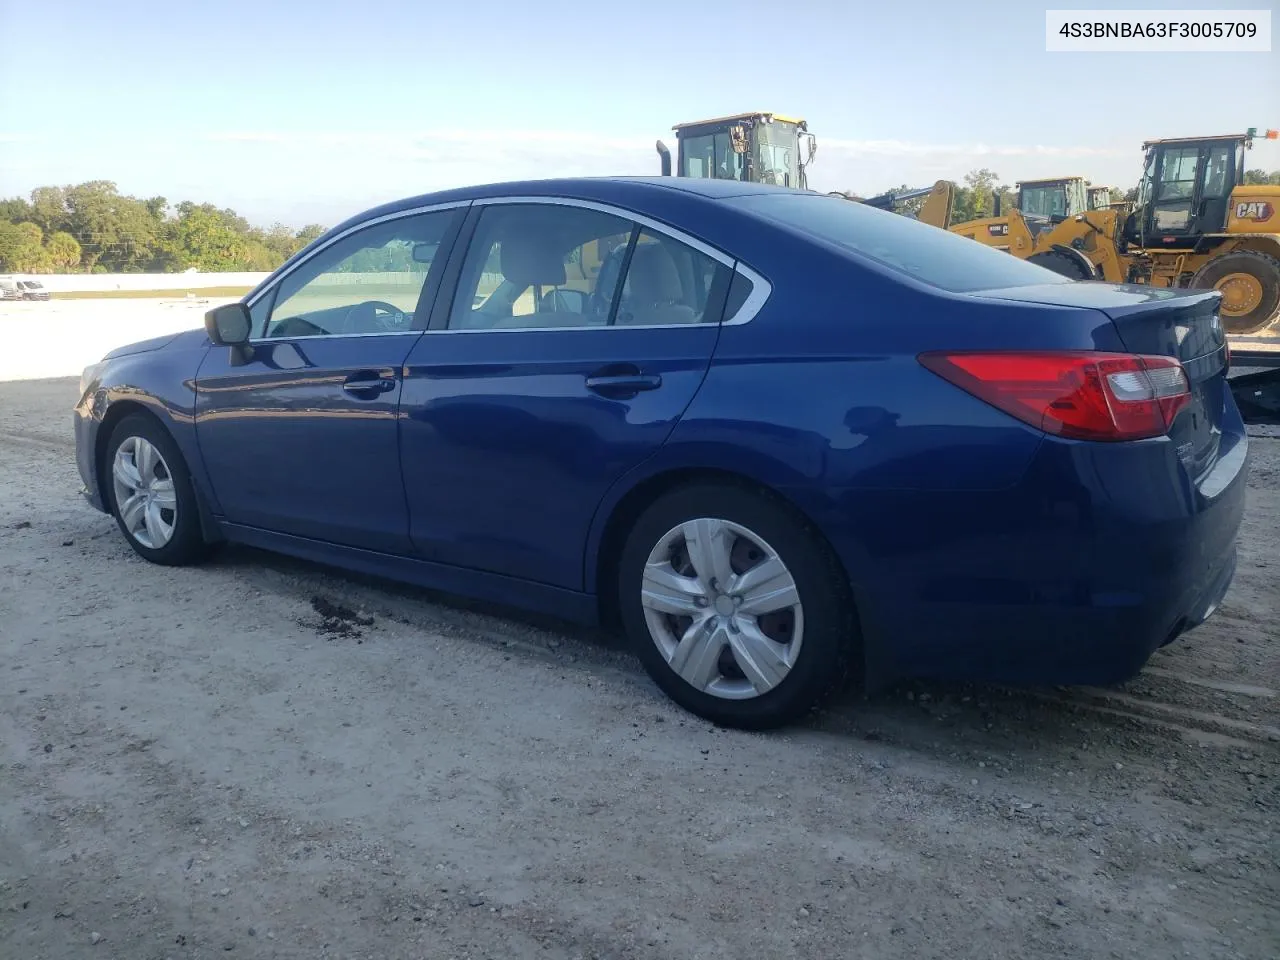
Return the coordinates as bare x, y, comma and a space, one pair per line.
620, 190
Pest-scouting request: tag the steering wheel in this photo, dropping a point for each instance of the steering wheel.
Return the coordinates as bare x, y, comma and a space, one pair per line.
374, 315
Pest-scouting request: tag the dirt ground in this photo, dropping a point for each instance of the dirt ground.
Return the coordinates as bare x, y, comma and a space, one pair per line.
264, 758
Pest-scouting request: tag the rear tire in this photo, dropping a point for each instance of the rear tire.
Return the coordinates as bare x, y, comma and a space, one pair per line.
149, 489
761, 645
1250, 285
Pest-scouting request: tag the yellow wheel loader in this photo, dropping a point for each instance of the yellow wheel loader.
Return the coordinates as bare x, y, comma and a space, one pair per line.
765, 147
1194, 224
757, 147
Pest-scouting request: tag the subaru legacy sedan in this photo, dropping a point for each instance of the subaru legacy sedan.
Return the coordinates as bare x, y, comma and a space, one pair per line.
782, 440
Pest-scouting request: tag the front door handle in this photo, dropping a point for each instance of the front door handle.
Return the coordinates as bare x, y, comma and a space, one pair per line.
622, 384
367, 384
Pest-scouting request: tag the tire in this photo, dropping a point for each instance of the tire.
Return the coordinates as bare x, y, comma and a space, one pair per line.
1258, 289
810, 643
164, 484
1060, 264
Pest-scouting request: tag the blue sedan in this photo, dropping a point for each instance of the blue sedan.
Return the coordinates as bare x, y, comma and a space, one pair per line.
780, 439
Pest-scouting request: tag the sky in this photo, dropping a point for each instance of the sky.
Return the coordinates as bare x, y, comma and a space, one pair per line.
309, 112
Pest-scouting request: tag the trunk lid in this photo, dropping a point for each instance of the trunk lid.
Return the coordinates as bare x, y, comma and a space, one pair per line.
1183, 324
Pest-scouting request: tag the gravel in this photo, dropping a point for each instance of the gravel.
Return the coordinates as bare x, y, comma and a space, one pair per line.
267, 758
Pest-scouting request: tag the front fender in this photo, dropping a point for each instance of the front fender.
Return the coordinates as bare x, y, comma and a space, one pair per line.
163, 383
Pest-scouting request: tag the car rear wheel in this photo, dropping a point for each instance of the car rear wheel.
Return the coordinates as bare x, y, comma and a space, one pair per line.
152, 497
735, 606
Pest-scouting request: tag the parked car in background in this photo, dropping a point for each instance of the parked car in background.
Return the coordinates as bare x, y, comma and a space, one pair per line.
779, 438
9, 289
33, 290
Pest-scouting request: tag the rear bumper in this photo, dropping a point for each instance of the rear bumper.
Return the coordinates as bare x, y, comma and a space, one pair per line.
1101, 555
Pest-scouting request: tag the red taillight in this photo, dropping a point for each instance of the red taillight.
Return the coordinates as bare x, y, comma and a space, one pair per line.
1082, 395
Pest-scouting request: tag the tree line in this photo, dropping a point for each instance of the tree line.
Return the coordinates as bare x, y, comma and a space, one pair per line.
93, 228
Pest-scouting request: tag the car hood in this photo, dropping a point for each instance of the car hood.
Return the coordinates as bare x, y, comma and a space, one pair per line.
185, 338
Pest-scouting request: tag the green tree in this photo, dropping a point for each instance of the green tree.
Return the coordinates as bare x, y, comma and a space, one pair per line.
1262, 177
22, 248
62, 252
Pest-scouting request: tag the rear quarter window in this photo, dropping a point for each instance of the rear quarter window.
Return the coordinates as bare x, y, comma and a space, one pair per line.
929, 254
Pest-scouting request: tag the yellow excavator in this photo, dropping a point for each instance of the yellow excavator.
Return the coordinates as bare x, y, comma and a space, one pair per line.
774, 148
1194, 224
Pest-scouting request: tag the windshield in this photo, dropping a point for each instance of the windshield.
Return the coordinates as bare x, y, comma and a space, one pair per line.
933, 256
775, 152
1048, 200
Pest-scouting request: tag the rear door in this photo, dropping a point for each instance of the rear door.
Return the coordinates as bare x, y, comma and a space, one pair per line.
300, 435
575, 338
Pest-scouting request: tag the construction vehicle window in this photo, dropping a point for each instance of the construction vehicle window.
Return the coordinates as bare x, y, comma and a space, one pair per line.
1178, 173
1047, 201
668, 282
712, 156
774, 148
1217, 177
939, 258
540, 265
368, 282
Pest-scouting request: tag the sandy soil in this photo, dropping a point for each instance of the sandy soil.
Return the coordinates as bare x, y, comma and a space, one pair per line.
263, 758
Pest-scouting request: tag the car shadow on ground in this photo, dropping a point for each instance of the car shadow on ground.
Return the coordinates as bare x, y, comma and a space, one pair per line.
987, 727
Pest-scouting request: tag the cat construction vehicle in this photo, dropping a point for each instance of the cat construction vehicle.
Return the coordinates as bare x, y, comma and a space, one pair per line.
1194, 224
764, 147
756, 147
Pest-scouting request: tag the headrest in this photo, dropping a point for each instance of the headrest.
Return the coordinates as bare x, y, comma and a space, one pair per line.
527, 260
653, 276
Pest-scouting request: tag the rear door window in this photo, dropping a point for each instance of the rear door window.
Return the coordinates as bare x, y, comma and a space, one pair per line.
926, 253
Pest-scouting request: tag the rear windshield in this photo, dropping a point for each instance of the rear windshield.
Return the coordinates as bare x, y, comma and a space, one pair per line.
929, 254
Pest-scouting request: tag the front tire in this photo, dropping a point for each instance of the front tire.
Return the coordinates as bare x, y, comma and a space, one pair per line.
1250, 285
151, 494
736, 607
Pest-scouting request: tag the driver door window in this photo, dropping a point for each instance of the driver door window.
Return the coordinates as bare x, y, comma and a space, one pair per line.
372, 282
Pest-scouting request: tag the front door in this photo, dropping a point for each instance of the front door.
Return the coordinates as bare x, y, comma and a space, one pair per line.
546, 381
301, 436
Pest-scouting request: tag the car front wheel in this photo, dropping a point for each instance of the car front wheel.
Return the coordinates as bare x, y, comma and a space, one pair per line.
152, 497
736, 607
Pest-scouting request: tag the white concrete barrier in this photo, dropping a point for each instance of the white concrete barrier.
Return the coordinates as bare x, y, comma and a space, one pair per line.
108, 282
59, 338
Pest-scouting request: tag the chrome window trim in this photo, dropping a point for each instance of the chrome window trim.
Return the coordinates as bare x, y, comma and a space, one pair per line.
275, 281
760, 287
755, 301
760, 290
622, 213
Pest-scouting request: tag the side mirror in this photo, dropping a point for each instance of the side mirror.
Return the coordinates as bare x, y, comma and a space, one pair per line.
424, 252
228, 325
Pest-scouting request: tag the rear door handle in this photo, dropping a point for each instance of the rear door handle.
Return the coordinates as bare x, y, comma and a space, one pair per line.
624, 384
367, 384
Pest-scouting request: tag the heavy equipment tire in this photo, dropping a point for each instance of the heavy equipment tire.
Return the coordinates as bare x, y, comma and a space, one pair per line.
1060, 264
1250, 284
775, 631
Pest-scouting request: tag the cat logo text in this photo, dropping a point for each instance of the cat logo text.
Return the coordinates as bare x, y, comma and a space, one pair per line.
1255, 210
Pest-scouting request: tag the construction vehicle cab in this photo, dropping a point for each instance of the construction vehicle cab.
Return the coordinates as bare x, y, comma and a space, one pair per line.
1186, 188
1046, 202
1099, 198
758, 147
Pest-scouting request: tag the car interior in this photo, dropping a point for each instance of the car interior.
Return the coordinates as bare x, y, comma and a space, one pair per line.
539, 259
